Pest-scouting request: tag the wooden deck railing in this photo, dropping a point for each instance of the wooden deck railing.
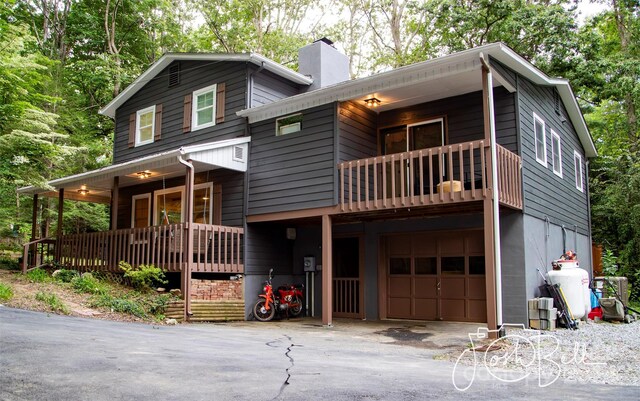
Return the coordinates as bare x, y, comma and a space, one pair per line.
38, 253
445, 174
215, 248
346, 297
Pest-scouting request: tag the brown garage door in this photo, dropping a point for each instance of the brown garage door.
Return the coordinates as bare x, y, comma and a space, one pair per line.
436, 276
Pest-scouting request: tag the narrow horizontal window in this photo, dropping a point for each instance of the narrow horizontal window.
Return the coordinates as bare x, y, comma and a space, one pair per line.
289, 124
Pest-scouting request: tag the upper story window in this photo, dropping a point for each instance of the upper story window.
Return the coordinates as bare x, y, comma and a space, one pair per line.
540, 140
289, 124
577, 163
204, 108
556, 154
145, 125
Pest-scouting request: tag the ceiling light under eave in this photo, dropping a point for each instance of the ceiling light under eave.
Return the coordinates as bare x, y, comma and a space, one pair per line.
372, 102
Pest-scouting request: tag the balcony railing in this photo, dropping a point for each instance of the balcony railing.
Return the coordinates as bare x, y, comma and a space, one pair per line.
215, 248
440, 175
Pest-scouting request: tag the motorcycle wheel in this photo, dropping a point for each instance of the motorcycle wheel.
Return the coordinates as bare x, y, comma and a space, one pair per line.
261, 313
296, 306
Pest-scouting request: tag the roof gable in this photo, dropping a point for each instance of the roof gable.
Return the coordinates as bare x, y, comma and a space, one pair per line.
164, 61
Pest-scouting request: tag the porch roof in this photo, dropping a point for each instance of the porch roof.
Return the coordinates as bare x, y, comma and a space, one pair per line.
230, 154
442, 77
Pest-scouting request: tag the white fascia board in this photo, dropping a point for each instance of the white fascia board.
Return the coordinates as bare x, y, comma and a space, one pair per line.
398, 78
110, 109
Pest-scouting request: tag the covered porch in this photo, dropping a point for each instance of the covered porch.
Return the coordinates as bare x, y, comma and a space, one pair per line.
165, 210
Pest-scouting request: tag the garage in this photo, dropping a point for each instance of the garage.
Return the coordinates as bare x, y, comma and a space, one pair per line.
436, 276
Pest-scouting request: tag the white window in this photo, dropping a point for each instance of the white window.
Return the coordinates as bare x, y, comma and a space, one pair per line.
289, 124
540, 140
203, 111
145, 125
168, 206
556, 153
577, 162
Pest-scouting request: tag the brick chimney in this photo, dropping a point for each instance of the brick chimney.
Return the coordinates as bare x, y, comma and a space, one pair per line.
323, 63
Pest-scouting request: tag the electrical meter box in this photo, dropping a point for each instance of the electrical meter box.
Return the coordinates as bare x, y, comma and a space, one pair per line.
309, 263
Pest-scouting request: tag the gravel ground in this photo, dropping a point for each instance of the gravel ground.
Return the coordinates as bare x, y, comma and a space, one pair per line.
607, 353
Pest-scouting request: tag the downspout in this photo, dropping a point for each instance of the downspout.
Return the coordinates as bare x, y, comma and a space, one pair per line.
590, 245
495, 200
189, 243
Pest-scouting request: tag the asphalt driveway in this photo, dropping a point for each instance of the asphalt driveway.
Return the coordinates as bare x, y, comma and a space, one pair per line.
50, 357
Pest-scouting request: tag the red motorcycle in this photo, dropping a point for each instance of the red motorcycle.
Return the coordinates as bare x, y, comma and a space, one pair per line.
287, 301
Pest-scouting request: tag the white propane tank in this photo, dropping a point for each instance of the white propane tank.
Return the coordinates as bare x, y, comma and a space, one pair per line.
574, 282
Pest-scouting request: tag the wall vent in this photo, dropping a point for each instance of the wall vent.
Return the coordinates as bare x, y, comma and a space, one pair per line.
174, 74
238, 153
556, 101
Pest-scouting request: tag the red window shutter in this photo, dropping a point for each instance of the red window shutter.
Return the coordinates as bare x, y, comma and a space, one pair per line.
220, 100
132, 129
186, 117
158, 125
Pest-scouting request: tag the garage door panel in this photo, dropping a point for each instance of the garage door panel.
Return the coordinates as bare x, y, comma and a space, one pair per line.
452, 309
426, 308
425, 287
399, 286
477, 310
452, 245
425, 244
398, 245
400, 307
477, 288
452, 288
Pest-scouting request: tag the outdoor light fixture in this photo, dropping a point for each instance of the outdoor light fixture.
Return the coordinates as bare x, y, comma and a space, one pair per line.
143, 174
372, 102
83, 190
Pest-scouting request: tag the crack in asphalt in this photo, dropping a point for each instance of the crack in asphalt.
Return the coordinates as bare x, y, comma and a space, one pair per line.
291, 361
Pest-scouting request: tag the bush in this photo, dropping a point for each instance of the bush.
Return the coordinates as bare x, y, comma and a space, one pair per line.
38, 275
89, 284
122, 305
53, 301
5, 292
64, 275
144, 277
9, 264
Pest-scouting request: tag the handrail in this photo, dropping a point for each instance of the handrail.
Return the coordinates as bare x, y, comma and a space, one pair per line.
44, 253
439, 175
216, 248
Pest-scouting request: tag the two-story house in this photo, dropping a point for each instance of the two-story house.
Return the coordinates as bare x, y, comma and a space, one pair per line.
432, 191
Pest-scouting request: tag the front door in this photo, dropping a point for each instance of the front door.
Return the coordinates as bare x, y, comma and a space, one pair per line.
436, 276
405, 138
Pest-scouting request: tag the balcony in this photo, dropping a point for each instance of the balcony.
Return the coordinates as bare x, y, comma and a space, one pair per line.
448, 174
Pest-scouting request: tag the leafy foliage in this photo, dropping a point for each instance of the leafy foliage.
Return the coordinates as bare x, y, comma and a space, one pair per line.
38, 275
52, 300
64, 275
87, 283
144, 276
6, 293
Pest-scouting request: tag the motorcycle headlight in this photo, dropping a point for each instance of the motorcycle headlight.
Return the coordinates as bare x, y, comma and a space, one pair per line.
264, 289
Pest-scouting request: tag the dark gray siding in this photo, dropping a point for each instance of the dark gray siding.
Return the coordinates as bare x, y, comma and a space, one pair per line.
194, 75
464, 117
232, 195
357, 127
268, 87
294, 171
546, 194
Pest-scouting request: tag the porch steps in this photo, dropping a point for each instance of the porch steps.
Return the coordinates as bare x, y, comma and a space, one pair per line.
207, 311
